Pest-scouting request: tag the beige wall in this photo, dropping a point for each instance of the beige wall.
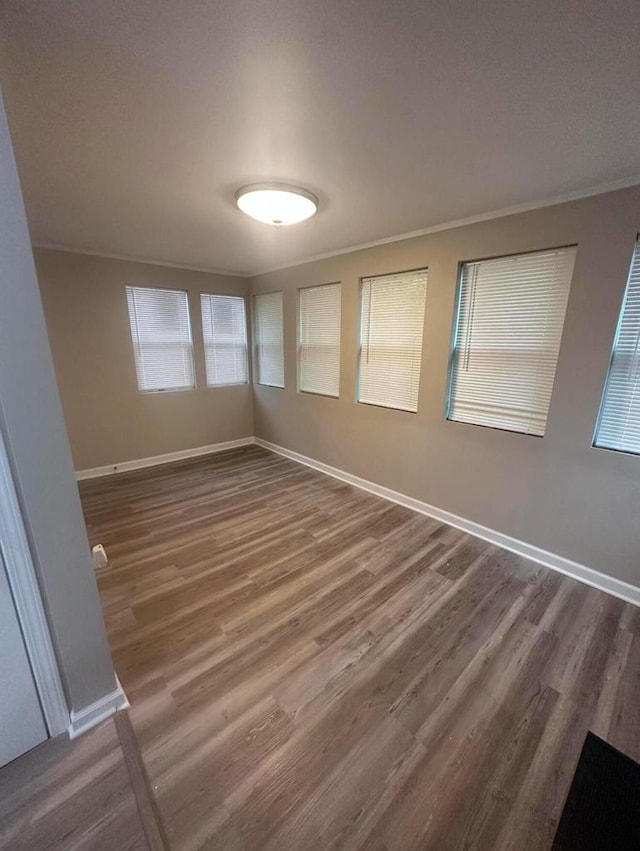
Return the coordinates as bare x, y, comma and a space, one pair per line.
557, 493
108, 419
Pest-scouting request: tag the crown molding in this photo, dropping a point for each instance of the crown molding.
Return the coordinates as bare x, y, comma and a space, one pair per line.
526, 207
578, 195
51, 246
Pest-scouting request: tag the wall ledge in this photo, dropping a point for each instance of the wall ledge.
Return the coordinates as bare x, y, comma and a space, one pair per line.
587, 575
167, 458
90, 716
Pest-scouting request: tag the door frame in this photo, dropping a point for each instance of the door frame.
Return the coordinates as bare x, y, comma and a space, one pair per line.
27, 599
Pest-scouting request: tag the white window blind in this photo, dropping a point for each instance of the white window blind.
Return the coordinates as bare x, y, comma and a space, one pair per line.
319, 353
507, 339
161, 335
391, 327
619, 422
269, 339
224, 329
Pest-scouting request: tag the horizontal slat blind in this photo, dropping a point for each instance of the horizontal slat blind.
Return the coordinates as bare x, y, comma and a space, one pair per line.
269, 339
319, 354
619, 425
391, 327
509, 325
161, 335
224, 329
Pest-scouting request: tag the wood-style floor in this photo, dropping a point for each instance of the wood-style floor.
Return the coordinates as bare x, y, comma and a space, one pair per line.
311, 667
91, 794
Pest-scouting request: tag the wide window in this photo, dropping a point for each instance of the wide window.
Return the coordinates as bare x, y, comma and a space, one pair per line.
161, 335
507, 339
319, 350
224, 330
269, 354
391, 327
619, 422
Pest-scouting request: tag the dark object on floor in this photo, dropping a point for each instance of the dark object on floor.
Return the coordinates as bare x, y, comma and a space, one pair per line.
602, 812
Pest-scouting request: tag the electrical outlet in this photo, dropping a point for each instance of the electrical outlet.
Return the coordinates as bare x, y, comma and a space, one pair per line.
99, 557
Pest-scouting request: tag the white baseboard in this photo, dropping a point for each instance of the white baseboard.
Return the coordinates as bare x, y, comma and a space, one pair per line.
154, 460
581, 572
93, 714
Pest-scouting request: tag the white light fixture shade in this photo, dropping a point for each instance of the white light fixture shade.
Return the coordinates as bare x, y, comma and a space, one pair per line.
276, 203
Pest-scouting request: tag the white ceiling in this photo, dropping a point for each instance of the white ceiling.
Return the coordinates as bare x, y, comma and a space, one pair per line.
134, 121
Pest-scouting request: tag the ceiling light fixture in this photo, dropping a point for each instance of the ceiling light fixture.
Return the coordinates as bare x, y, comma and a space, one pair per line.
276, 203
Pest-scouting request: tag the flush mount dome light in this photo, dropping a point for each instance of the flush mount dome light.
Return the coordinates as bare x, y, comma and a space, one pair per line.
276, 203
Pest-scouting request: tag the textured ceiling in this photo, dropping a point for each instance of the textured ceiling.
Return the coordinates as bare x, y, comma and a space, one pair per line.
134, 121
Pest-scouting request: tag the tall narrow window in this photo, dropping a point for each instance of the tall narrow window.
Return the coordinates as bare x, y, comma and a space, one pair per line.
619, 422
507, 339
224, 329
161, 335
319, 352
269, 339
391, 327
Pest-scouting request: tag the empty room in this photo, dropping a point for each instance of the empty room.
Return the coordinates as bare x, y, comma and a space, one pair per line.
319, 425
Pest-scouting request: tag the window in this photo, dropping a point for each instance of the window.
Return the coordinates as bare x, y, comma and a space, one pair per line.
319, 352
391, 325
619, 421
268, 339
507, 338
224, 330
161, 335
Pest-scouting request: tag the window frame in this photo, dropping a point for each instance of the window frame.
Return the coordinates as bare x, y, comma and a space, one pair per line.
243, 299
299, 388
179, 389
255, 358
454, 336
629, 453
361, 282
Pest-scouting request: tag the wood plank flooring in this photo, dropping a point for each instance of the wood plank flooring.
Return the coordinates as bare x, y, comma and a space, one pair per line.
78, 796
311, 667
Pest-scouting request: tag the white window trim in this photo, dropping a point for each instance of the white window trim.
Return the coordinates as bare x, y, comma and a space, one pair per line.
246, 331
185, 389
454, 336
361, 282
299, 342
594, 444
254, 323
